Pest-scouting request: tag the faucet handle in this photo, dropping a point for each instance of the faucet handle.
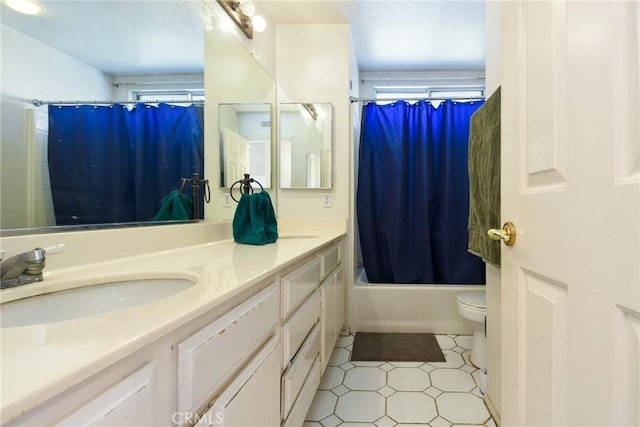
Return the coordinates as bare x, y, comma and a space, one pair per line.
36, 258
34, 261
50, 250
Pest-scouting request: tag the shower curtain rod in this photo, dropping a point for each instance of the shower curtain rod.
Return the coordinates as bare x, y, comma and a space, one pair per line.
39, 103
353, 99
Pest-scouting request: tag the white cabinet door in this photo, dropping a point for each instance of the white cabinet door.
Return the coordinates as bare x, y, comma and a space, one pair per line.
130, 402
209, 357
305, 398
294, 377
328, 319
298, 285
340, 307
297, 328
252, 399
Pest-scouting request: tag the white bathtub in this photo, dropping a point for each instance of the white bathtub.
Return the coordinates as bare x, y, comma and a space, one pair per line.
381, 307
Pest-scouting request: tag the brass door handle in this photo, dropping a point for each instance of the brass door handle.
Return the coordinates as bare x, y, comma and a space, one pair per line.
507, 233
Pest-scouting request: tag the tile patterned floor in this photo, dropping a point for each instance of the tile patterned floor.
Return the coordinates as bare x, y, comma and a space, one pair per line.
387, 394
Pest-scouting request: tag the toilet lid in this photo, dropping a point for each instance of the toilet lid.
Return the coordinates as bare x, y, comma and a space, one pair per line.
474, 299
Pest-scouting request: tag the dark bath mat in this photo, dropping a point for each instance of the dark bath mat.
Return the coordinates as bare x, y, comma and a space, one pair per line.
395, 347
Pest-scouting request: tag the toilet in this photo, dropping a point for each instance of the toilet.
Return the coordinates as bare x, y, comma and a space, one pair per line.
473, 306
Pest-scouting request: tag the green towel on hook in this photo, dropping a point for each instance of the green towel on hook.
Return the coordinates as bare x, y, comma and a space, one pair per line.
484, 180
175, 206
254, 222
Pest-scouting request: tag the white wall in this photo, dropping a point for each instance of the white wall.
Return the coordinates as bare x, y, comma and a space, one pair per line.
32, 70
315, 63
355, 116
312, 65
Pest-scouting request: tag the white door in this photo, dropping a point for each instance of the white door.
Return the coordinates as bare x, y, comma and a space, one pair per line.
236, 159
570, 184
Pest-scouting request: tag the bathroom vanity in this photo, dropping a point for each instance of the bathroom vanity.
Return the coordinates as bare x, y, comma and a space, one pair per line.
244, 344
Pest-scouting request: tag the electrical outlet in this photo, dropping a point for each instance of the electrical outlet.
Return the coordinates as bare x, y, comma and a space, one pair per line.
226, 200
326, 200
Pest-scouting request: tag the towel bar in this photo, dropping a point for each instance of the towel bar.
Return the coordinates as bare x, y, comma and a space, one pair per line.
195, 190
245, 186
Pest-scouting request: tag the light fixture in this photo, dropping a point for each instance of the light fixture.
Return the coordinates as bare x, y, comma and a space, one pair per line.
247, 7
259, 23
242, 12
313, 113
27, 7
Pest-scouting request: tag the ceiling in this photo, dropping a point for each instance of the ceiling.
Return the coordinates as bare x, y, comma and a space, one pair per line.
400, 35
120, 37
144, 36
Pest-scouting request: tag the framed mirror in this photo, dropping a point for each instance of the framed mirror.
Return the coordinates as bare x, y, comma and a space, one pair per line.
245, 143
305, 145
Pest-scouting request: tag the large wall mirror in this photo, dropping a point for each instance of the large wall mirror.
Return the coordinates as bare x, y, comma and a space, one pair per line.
245, 143
93, 52
305, 146
105, 50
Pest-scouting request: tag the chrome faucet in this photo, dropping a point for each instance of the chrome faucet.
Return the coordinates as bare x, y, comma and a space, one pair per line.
25, 267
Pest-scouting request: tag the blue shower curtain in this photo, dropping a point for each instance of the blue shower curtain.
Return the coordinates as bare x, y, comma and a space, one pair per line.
110, 164
413, 193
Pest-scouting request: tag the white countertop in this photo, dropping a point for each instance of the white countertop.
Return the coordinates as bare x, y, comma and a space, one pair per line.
40, 361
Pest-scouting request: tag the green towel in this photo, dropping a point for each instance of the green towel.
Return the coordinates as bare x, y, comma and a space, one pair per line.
484, 179
254, 222
175, 206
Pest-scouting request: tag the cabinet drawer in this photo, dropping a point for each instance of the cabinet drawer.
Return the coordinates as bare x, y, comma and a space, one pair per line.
250, 399
298, 285
330, 260
296, 329
303, 403
294, 377
209, 357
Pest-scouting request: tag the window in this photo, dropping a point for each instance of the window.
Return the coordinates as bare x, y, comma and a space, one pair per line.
169, 95
394, 93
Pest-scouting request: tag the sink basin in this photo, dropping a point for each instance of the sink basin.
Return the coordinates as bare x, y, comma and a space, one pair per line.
297, 236
88, 300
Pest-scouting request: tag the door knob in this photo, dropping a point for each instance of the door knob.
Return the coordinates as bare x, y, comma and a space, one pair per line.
507, 233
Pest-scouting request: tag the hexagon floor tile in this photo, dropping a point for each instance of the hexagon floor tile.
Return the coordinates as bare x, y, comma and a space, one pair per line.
462, 408
400, 394
365, 378
408, 379
411, 407
452, 380
331, 378
323, 405
360, 406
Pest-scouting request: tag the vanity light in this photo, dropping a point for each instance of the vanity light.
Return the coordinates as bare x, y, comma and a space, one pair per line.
259, 23
242, 12
247, 7
27, 7
311, 110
